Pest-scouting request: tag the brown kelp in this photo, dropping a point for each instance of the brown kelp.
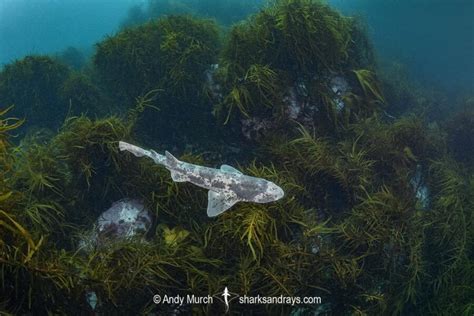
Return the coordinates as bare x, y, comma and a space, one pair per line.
460, 129
296, 60
32, 84
46, 179
382, 226
82, 96
170, 56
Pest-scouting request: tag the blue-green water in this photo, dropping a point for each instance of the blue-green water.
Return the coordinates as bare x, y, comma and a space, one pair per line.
434, 38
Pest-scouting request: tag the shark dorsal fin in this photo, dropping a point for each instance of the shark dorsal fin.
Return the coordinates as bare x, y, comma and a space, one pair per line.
227, 168
170, 159
219, 202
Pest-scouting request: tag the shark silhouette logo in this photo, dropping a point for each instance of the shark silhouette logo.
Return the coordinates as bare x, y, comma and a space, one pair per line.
227, 297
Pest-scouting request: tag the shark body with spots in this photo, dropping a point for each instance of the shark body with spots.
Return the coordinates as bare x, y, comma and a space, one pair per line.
226, 185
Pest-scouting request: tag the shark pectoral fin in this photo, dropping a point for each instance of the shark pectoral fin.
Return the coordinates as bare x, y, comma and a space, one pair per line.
178, 177
219, 202
227, 168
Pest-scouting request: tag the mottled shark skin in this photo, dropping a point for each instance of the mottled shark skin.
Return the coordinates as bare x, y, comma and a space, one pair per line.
226, 185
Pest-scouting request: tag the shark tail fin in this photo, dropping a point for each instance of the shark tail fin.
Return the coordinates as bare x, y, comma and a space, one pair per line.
137, 151
171, 160
123, 145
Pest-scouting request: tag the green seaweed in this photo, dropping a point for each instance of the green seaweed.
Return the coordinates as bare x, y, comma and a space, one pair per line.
296, 46
170, 55
32, 85
82, 96
460, 129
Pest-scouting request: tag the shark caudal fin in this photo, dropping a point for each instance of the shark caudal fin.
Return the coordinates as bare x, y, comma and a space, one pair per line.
123, 145
219, 202
137, 151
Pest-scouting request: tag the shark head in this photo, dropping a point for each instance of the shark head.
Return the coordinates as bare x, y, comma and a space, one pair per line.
276, 191
272, 193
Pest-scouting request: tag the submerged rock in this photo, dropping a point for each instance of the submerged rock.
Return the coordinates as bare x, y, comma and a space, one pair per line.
125, 219
340, 87
253, 128
215, 88
294, 107
92, 300
300, 106
420, 188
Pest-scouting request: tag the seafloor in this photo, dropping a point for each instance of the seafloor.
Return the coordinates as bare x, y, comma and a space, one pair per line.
377, 217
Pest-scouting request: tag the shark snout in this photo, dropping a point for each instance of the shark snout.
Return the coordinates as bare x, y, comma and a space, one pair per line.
276, 192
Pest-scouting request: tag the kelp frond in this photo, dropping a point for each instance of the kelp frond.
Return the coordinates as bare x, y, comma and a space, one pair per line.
16, 228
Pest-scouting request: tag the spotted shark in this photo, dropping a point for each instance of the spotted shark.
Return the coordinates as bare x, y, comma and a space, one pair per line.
226, 185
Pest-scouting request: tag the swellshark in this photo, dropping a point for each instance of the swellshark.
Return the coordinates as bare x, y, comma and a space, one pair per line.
226, 185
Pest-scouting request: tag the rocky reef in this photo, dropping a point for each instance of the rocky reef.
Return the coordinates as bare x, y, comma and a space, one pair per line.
377, 216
